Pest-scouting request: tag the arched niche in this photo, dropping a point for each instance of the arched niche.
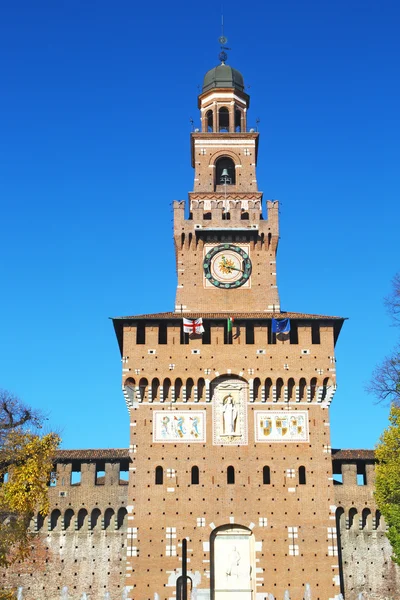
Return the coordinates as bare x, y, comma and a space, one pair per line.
225, 171
229, 397
232, 563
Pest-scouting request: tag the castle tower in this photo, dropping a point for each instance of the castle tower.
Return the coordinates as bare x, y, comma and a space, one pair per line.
225, 207
230, 439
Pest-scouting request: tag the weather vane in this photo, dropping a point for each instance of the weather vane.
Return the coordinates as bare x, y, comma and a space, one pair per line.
223, 57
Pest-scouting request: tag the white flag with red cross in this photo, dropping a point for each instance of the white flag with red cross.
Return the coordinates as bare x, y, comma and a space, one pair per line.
193, 326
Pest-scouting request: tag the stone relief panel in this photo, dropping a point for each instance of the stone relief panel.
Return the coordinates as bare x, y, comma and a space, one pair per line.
179, 426
229, 398
281, 426
233, 565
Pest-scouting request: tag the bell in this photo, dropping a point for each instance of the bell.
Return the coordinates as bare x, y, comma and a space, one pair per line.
224, 173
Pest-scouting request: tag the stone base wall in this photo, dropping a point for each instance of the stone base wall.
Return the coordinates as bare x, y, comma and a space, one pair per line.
86, 562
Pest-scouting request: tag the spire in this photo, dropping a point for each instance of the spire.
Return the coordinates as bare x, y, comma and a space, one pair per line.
223, 57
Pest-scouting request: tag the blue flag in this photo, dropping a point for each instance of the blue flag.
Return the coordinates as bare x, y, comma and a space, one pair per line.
280, 325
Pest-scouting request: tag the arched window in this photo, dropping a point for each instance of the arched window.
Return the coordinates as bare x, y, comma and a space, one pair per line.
159, 476
39, 521
225, 171
95, 518
210, 121
266, 475
195, 475
230, 475
302, 475
291, 387
189, 388
223, 114
108, 518
325, 386
155, 388
238, 121
55, 519
279, 388
302, 389
121, 521
353, 518
129, 386
201, 386
178, 388
143, 383
366, 519
69, 514
256, 389
166, 389
267, 389
244, 215
313, 386
82, 518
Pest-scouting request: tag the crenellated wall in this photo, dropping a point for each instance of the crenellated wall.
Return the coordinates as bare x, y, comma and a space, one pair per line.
365, 558
82, 542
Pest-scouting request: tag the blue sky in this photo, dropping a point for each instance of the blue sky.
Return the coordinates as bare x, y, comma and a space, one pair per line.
95, 115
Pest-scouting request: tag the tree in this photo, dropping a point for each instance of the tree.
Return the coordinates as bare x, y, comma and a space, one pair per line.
26, 464
385, 382
387, 486
385, 385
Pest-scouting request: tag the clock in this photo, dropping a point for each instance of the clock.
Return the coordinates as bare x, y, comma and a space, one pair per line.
227, 266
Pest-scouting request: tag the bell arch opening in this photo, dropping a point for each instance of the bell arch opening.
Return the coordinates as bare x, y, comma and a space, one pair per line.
225, 172
232, 563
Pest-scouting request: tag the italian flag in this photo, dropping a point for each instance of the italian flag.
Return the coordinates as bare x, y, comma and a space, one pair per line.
230, 323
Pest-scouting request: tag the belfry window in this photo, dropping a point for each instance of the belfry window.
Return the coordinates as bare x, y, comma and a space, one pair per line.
223, 120
238, 121
210, 121
225, 171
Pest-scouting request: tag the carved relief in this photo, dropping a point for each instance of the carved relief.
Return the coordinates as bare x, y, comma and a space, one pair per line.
179, 426
281, 426
229, 411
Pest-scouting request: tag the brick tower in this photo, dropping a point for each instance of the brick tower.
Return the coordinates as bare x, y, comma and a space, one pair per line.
230, 438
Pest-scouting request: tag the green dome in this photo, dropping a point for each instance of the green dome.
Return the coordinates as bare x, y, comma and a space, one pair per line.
223, 76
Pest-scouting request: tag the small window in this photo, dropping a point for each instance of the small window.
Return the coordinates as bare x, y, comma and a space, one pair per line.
238, 121
162, 333
302, 475
249, 333
210, 121
123, 472
361, 474
76, 474
206, 337
293, 333
315, 336
266, 475
140, 334
100, 473
224, 120
230, 475
159, 476
195, 475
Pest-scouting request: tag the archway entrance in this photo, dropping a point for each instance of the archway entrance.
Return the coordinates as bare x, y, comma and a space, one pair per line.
232, 563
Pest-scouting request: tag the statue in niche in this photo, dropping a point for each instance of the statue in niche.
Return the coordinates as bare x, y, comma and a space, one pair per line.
229, 414
232, 570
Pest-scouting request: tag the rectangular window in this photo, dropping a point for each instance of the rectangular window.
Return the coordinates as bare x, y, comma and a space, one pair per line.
271, 337
294, 333
76, 474
123, 472
249, 333
140, 333
162, 333
53, 478
100, 473
206, 338
315, 336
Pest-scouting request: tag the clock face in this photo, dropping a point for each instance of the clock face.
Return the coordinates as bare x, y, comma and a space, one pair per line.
227, 266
